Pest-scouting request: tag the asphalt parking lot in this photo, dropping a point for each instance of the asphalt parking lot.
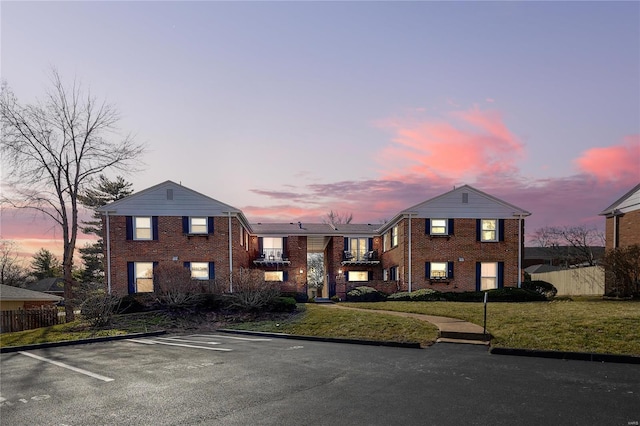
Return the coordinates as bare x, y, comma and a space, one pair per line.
240, 380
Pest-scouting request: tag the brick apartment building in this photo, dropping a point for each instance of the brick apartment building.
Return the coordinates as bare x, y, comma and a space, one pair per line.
462, 240
622, 227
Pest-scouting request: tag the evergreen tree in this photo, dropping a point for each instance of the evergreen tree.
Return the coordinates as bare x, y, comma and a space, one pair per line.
45, 265
104, 191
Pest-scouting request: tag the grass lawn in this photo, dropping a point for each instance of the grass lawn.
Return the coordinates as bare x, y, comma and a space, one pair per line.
581, 325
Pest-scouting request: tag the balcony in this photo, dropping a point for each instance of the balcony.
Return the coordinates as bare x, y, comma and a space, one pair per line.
360, 258
272, 257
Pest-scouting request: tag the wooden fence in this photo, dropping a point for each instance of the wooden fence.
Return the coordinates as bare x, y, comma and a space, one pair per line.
27, 319
575, 282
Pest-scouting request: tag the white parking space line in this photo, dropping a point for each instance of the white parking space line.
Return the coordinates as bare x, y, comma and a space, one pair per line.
177, 339
155, 342
249, 339
69, 367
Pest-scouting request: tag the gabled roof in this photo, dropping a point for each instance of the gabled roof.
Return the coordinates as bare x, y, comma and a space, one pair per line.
628, 202
8, 292
170, 199
48, 285
299, 228
464, 202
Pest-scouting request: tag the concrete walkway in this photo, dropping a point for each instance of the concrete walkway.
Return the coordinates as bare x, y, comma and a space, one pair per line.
451, 330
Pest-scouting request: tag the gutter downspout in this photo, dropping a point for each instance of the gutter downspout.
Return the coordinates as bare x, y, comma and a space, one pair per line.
230, 258
409, 252
519, 250
108, 254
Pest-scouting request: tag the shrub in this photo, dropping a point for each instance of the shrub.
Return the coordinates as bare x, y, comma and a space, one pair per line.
98, 309
365, 294
542, 287
335, 298
282, 304
174, 287
422, 295
130, 304
250, 291
513, 294
299, 297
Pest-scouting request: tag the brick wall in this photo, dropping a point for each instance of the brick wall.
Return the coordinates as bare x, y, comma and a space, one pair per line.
628, 229
173, 243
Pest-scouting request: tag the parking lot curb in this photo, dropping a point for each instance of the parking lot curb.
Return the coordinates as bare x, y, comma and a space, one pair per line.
411, 345
577, 356
81, 341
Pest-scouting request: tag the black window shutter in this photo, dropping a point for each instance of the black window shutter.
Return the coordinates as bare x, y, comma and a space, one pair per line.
346, 244
370, 277
450, 227
129, 227
285, 241
478, 229
260, 249
154, 227
370, 244
285, 276
210, 225
500, 229
427, 270
427, 226
449, 269
346, 275
131, 278
212, 270
187, 265
478, 271
185, 224
500, 274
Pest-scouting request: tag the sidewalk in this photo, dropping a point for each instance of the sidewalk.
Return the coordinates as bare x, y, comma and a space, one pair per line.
450, 330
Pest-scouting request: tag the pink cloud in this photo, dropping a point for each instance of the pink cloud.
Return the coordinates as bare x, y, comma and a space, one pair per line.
470, 143
613, 163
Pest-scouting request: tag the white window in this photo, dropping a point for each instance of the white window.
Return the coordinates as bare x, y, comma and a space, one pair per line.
394, 236
198, 225
358, 247
199, 270
385, 275
489, 230
143, 277
438, 270
438, 226
358, 276
274, 276
272, 248
488, 275
142, 228
385, 241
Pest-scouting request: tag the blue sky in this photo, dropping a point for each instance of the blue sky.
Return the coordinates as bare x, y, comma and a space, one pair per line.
289, 109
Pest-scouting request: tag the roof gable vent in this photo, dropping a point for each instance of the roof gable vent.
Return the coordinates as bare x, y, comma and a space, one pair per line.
465, 198
169, 193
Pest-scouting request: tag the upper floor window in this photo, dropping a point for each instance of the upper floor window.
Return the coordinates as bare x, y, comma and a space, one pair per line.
198, 225
439, 227
358, 248
272, 248
394, 236
385, 241
142, 228
489, 230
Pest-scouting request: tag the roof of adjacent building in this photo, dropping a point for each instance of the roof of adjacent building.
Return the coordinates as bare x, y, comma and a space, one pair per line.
299, 228
628, 202
8, 292
47, 285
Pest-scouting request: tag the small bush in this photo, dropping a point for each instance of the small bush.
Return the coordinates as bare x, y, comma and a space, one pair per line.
365, 294
130, 304
299, 297
98, 309
251, 293
283, 304
335, 298
174, 287
541, 287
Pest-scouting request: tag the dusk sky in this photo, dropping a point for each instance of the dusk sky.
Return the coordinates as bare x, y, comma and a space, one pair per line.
287, 110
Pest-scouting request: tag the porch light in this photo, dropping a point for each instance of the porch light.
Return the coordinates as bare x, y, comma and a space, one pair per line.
301, 271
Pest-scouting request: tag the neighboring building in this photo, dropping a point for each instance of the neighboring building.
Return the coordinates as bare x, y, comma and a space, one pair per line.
53, 286
622, 228
14, 298
463, 240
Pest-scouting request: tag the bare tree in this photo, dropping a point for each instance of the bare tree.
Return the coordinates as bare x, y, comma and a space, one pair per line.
53, 148
12, 270
570, 244
337, 218
622, 270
